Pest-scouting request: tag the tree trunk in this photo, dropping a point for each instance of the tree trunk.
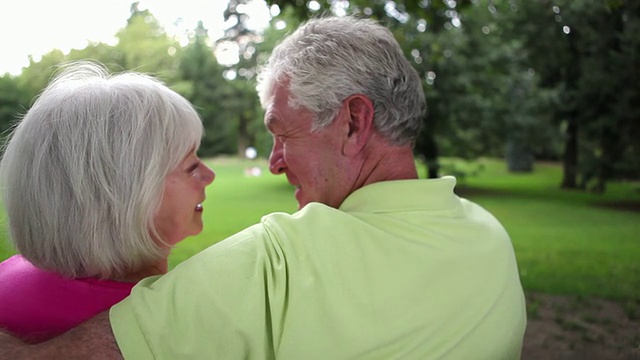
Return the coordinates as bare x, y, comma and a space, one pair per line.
243, 135
519, 157
432, 168
429, 150
570, 158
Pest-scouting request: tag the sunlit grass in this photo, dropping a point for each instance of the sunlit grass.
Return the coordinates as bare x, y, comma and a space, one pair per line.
566, 242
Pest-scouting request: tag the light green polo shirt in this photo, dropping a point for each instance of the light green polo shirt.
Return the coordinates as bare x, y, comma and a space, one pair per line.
403, 270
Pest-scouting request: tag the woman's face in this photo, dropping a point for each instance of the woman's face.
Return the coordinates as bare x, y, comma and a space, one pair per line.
180, 213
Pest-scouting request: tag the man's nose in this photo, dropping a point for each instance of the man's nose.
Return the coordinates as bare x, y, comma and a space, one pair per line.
276, 159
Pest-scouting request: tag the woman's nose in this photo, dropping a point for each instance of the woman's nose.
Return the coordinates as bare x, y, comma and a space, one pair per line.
207, 174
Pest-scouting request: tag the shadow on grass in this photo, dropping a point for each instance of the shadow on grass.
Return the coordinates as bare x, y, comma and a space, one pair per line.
629, 205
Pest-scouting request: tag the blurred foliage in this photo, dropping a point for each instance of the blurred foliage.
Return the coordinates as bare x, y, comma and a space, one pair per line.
242, 101
144, 46
200, 76
545, 79
521, 79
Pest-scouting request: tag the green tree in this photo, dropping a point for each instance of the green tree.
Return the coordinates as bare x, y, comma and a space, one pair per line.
586, 53
508, 110
146, 47
241, 102
106, 54
202, 83
37, 74
608, 93
466, 72
13, 102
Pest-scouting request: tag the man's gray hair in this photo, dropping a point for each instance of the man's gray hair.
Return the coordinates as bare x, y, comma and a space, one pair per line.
328, 59
83, 173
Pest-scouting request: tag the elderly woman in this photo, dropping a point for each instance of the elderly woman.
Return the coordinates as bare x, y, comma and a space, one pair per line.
100, 180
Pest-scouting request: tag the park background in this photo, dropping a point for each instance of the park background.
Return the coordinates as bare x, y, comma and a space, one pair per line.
533, 105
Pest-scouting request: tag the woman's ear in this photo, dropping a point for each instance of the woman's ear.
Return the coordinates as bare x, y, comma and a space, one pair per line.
359, 110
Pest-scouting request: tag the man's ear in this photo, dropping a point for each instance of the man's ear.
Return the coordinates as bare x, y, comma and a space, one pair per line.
359, 110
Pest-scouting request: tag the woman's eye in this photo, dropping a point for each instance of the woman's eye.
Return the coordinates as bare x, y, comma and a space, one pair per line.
193, 167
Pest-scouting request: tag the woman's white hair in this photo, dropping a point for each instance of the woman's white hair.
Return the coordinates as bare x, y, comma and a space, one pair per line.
328, 59
83, 172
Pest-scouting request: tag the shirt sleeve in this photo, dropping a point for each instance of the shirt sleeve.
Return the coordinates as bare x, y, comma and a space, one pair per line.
213, 304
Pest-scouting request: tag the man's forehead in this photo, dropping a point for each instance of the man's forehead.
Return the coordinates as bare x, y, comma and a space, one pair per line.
275, 97
278, 101
280, 91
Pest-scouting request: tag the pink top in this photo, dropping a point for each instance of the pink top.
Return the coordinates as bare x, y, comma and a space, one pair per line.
37, 305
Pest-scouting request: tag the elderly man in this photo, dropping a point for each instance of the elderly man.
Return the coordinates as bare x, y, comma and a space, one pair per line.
376, 264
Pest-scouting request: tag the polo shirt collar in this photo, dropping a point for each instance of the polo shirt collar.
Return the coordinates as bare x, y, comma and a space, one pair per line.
403, 195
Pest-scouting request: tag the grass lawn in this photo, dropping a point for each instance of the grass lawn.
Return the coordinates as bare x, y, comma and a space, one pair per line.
566, 242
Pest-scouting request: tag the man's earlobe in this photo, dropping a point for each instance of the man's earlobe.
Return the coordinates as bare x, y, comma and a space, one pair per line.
360, 127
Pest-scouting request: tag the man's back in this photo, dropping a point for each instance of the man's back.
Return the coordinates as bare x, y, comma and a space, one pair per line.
403, 269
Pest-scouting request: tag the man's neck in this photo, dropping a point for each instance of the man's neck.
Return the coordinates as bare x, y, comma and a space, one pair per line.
388, 163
